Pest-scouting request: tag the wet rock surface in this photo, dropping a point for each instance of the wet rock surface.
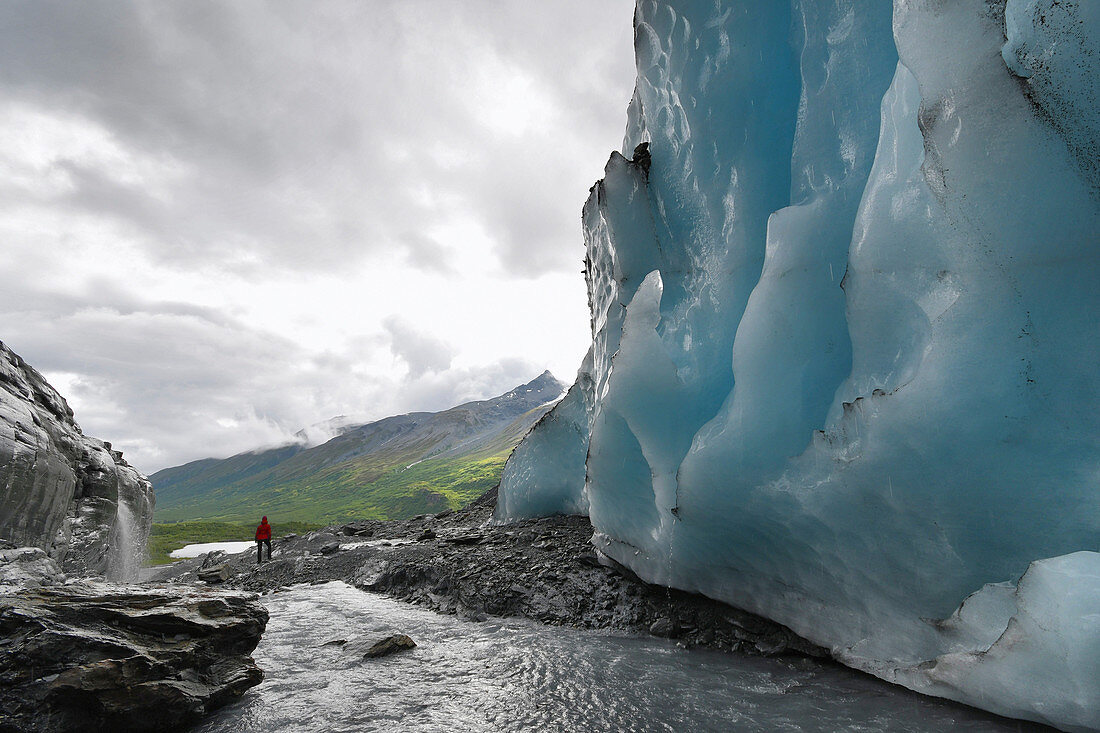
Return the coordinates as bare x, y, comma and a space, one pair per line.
88, 656
390, 645
26, 568
79, 654
70, 494
544, 569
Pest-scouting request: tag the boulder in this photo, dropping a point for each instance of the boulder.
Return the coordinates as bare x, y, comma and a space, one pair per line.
214, 573
389, 645
666, 627
100, 657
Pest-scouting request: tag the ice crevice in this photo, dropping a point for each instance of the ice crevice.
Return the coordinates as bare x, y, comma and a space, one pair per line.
844, 344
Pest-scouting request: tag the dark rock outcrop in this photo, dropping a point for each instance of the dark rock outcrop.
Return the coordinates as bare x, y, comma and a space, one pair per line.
88, 656
69, 494
100, 657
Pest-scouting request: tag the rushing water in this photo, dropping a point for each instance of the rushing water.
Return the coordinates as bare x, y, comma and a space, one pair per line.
126, 546
515, 675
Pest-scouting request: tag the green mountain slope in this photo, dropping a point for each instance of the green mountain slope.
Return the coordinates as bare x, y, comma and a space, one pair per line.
394, 468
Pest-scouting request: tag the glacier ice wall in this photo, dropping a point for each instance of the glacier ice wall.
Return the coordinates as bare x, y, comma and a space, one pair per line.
845, 336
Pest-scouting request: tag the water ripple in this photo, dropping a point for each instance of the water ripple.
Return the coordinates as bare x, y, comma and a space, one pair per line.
514, 675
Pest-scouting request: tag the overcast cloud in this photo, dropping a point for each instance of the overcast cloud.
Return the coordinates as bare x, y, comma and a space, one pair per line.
223, 222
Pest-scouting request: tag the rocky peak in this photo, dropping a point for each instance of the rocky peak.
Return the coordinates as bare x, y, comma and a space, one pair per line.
540, 390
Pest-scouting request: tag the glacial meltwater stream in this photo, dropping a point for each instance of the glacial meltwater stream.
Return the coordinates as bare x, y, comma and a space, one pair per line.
516, 675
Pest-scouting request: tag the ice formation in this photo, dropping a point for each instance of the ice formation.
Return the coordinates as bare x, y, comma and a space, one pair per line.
843, 283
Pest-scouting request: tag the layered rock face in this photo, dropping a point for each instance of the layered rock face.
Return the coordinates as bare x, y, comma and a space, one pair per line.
60, 490
83, 655
843, 369
95, 657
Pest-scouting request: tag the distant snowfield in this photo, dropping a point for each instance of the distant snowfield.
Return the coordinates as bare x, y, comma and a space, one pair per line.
204, 547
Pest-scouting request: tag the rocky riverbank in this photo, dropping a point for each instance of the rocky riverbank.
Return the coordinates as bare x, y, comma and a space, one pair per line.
456, 563
91, 656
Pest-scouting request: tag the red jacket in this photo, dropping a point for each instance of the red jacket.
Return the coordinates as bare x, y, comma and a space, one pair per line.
263, 532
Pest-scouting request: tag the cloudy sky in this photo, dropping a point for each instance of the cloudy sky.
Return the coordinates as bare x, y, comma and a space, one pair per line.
222, 222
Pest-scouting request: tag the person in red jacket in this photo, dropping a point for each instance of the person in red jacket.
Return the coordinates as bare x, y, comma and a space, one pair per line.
263, 536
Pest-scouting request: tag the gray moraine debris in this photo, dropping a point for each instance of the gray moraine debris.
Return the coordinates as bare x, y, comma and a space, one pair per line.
545, 569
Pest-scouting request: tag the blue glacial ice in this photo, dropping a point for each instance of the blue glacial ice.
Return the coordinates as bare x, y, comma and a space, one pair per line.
845, 342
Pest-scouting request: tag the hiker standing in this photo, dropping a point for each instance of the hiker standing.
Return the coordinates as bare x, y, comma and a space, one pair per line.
263, 536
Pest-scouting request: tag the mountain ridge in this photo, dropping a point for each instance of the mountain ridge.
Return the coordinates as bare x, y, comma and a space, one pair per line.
394, 467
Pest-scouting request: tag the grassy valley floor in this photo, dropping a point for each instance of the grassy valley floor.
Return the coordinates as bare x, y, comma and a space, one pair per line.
166, 537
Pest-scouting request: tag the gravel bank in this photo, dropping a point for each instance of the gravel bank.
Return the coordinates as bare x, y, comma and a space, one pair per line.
455, 563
